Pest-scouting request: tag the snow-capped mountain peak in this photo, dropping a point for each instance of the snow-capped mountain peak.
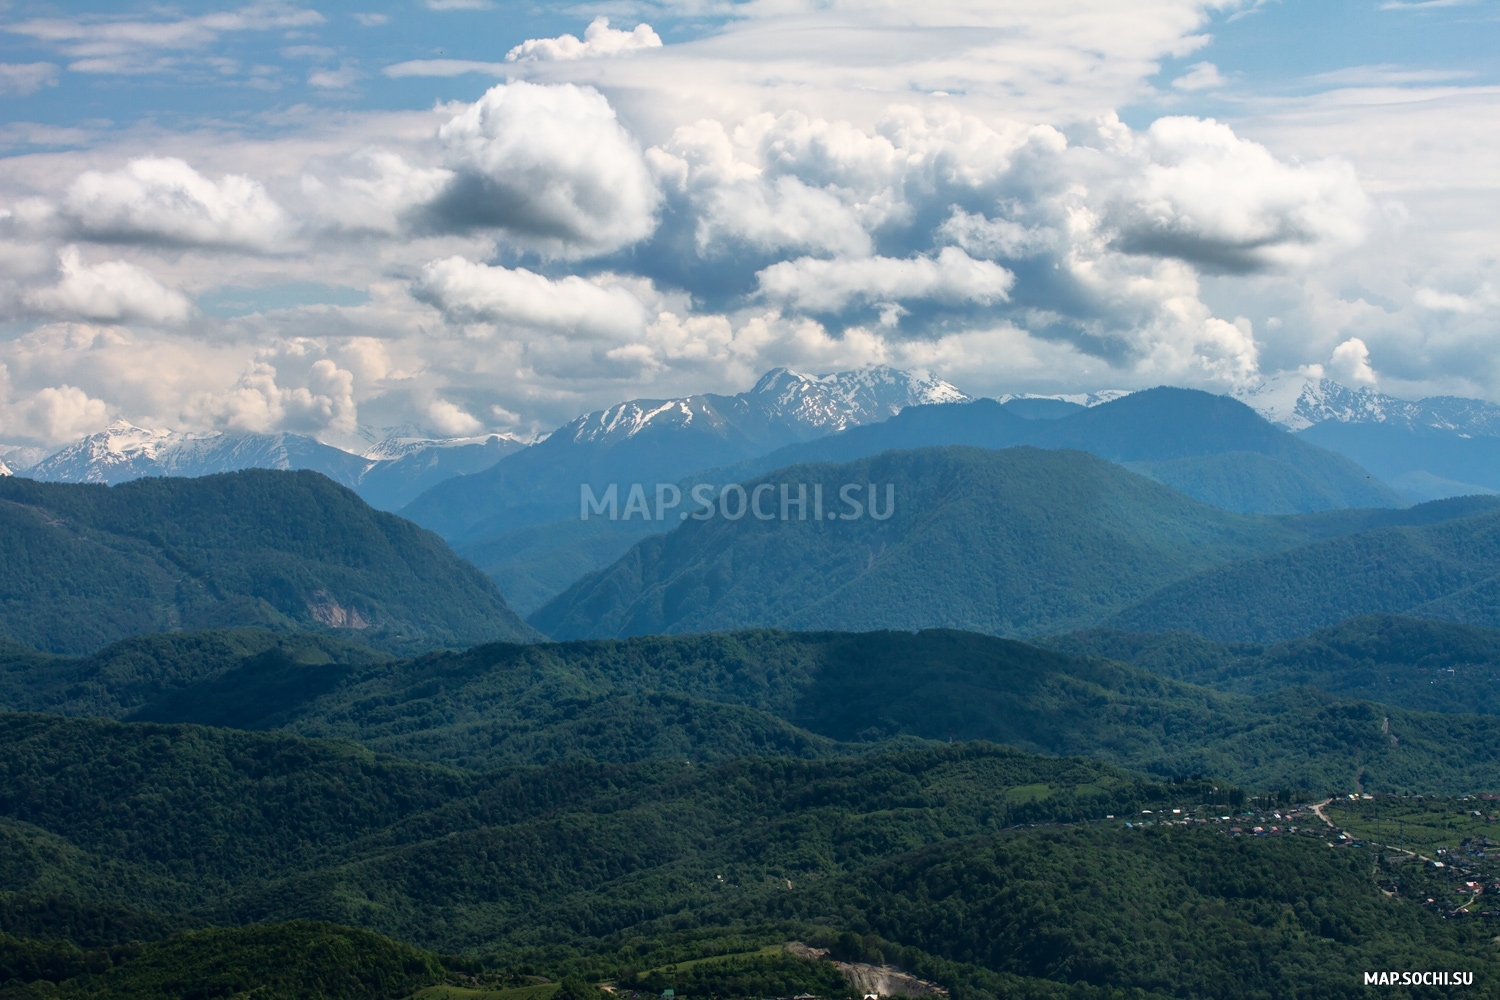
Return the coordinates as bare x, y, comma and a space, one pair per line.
802, 405
5, 470
405, 441
120, 451
843, 399
1297, 400
1086, 399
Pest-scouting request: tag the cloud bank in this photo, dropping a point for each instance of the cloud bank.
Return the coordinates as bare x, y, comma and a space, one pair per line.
607, 214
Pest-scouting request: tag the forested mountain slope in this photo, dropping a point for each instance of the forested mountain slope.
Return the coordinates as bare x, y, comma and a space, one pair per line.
803, 695
82, 565
1014, 542
1448, 570
913, 857
1432, 666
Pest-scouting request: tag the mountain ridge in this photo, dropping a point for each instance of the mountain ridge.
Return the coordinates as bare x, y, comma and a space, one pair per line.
86, 563
661, 441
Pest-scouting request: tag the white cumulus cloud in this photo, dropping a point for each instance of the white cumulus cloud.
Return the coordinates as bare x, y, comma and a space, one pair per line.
450, 419
550, 165
951, 278
1351, 362
515, 297
599, 39
257, 403
1200, 76
56, 415
1192, 189
164, 200
114, 290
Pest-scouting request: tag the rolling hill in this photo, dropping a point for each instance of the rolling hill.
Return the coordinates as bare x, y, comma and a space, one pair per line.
801, 695
84, 565
1449, 570
1430, 666
990, 871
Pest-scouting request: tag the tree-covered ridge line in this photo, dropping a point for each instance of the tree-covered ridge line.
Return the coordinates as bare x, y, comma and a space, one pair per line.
85, 565
1422, 664
802, 695
1016, 542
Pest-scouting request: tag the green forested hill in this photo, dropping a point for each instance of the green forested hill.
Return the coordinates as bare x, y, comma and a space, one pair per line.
1448, 570
1013, 542
297, 960
805, 695
84, 565
926, 857
1431, 666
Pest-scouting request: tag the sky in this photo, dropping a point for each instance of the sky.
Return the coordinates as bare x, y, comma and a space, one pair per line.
459, 217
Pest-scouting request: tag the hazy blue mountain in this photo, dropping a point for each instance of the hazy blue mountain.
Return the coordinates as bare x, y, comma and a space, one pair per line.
1448, 570
401, 469
1208, 447
1213, 448
387, 476
1013, 542
1440, 446
534, 564
1041, 407
87, 564
661, 441
1420, 461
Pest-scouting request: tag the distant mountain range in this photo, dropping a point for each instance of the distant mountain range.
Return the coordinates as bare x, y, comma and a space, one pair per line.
387, 476
1019, 541
85, 565
661, 441
519, 521
1426, 449
1210, 447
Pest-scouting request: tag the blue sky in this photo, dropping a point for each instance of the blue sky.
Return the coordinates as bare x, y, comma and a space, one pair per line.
472, 216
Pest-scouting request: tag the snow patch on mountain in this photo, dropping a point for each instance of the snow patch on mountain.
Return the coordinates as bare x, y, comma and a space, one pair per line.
1078, 398
5, 470
405, 442
1297, 400
806, 405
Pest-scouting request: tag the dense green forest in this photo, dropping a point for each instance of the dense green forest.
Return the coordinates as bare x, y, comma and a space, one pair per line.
990, 871
1449, 570
803, 695
1423, 664
84, 565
